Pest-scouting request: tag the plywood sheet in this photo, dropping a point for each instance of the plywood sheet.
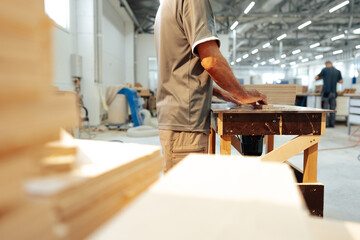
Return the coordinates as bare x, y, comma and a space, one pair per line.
283, 94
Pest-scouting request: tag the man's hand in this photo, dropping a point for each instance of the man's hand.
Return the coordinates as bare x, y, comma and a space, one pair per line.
253, 97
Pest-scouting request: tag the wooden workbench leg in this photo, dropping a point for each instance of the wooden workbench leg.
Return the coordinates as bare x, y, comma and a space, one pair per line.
310, 164
225, 144
212, 141
269, 143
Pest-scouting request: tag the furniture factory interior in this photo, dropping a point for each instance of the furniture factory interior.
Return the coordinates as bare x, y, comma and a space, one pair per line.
180, 119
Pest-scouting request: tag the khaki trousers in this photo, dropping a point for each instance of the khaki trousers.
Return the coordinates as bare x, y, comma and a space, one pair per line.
177, 145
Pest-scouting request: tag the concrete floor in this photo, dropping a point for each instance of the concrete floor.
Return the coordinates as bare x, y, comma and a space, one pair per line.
338, 170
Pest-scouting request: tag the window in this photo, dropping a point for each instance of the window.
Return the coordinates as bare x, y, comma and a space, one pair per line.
59, 12
152, 73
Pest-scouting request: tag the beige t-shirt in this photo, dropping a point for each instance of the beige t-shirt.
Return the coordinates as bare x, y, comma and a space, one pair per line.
184, 88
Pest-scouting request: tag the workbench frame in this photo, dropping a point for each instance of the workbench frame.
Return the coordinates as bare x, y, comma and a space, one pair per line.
308, 126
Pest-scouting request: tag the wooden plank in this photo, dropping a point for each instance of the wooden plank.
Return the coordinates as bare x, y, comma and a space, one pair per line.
323, 123
220, 126
269, 143
310, 164
240, 187
277, 94
314, 197
291, 148
235, 142
212, 141
225, 144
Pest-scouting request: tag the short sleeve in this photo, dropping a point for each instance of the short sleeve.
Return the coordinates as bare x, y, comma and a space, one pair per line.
322, 73
198, 23
340, 77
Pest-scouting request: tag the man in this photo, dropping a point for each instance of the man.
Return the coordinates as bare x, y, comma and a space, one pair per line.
331, 77
187, 50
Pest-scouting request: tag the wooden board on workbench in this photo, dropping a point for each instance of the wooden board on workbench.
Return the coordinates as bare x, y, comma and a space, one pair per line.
283, 94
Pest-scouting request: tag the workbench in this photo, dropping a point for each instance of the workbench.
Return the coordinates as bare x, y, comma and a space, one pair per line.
307, 123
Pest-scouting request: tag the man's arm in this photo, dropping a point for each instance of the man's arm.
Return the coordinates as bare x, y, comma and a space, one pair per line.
340, 78
218, 68
317, 78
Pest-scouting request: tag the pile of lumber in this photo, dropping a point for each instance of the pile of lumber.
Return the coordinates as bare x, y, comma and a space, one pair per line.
32, 114
107, 176
278, 94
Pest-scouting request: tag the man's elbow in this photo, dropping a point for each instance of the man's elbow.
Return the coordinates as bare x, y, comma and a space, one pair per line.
210, 64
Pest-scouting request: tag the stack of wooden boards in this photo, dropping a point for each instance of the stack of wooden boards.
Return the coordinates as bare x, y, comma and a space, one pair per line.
106, 177
278, 94
31, 114
218, 197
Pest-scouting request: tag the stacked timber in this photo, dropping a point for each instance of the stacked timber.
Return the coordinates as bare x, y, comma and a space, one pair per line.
277, 94
31, 115
106, 177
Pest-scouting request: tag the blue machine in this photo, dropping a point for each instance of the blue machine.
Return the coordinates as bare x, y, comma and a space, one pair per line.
135, 105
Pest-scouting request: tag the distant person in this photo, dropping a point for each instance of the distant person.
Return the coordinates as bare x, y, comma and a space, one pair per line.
331, 76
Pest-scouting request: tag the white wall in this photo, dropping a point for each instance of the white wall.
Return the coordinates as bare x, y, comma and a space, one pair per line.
145, 48
117, 51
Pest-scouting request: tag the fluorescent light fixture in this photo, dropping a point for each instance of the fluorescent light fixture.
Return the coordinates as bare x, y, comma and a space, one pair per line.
258, 58
292, 63
337, 52
319, 57
245, 56
251, 5
300, 57
357, 47
314, 45
238, 60
256, 65
266, 45
272, 60
356, 31
255, 51
305, 60
305, 24
234, 25
338, 37
296, 51
343, 4
232, 63
263, 63
276, 61
283, 56
281, 37
283, 65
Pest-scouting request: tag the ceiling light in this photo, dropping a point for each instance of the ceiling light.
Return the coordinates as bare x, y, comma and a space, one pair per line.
272, 60
292, 63
283, 65
305, 60
283, 56
279, 38
234, 25
337, 52
256, 65
314, 45
276, 61
356, 31
357, 47
251, 5
319, 57
296, 51
300, 57
255, 51
266, 45
263, 63
232, 63
258, 58
245, 56
305, 24
338, 37
238, 60
339, 6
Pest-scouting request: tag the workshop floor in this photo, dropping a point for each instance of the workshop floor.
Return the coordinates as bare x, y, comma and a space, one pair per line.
338, 169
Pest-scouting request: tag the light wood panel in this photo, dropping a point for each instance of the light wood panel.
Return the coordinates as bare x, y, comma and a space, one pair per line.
283, 94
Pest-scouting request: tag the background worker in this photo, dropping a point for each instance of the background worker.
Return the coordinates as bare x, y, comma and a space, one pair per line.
331, 76
188, 54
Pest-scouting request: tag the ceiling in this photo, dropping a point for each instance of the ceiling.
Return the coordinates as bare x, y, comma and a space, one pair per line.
268, 20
